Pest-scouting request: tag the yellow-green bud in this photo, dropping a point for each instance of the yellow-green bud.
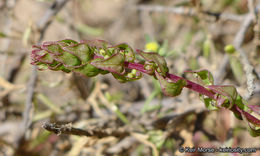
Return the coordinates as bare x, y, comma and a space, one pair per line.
122, 52
106, 57
148, 67
130, 75
102, 51
230, 49
134, 71
159, 70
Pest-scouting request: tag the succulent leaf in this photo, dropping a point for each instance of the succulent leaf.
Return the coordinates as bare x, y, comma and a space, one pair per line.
170, 88
157, 59
205, 76
113, 64
127, 50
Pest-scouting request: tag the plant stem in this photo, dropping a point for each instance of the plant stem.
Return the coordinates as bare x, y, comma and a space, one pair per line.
191, 85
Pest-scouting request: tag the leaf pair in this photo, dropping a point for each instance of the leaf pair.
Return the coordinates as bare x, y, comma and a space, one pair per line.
228, 97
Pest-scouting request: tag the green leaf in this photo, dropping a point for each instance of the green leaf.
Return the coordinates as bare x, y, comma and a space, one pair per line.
253, 132
125, 77
206, 48
2, 34
237, 69
52, 47
42, 66
163, 49
46, 58
68, 59
114, 64
242, 104
58, 66
127, 50
209, 103
193, 63
205, 76
120, 78
171, 88
253, 124
82, 51
88, 70
60, 55
147, 38
67, 42
227, 91
157, 59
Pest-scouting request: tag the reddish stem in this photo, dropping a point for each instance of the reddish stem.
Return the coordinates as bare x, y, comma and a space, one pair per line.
191, 85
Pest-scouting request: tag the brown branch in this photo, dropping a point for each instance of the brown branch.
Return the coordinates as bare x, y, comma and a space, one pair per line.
12, 75
90, 132
46, 20
187, 12
237, 42
248, 68
42, 25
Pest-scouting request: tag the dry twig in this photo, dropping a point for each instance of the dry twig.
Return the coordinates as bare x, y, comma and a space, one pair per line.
90, 132
42, 25
238, 41
187, 12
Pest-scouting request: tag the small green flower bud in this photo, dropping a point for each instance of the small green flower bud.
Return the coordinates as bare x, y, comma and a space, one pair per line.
134, 71
130, 75
122, 52
106, 57
102, 51
159, 70
148, 67
230, 49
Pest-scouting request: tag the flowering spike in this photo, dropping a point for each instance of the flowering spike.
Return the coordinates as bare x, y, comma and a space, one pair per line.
93, 57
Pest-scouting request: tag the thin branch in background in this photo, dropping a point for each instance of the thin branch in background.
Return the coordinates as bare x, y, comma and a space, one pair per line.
144, 139
238, 41
239, 38
90, 132
27, 114
7, 10
248, 68
12, 75
46, 20
256, 40
251, 7
42, 25
187, 12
